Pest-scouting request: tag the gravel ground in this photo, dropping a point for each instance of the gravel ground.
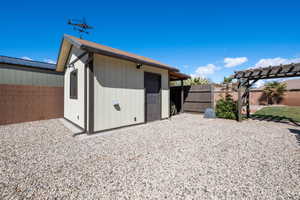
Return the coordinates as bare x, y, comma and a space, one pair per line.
186, 157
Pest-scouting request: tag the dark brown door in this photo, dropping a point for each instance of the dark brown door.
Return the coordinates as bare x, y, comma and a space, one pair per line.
153, 99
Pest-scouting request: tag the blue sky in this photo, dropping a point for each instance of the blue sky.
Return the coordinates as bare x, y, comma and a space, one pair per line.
195, 36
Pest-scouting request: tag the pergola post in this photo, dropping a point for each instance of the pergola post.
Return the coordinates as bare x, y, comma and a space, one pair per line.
248, 98
239, 103
182, 96
169, 83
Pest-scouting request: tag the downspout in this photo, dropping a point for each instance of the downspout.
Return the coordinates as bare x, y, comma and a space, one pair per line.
85, 97
90, 108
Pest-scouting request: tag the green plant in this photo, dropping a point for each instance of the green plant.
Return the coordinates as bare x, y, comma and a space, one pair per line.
227, 83
274, 91
226, 108
197, 81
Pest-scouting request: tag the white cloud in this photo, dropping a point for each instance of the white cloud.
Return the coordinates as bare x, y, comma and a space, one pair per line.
259, 83
233, 62
266, 62
26, 58
49, 61
203, 71
185, 66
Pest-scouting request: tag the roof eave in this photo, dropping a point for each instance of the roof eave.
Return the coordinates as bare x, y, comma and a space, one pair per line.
59, 52
72, 41
107, 53
179, 76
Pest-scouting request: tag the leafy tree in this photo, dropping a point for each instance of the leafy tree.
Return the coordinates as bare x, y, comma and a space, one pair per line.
274, 91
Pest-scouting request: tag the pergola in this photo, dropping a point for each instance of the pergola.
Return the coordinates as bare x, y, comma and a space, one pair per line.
247, 78
177, 76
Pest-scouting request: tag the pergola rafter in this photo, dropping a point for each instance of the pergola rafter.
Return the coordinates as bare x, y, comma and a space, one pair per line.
247, 78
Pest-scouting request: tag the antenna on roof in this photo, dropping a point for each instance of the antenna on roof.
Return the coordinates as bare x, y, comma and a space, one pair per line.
80, 25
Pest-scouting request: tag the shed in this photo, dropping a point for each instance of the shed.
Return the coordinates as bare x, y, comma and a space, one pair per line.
106, 88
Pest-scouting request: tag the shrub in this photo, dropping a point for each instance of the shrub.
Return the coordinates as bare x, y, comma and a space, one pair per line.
226, 108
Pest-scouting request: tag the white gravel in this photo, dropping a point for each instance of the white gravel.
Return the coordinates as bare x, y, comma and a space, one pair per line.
186, 157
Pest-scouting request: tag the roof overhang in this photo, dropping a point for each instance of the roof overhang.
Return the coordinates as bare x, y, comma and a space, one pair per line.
65, 49
69, 41
175, 76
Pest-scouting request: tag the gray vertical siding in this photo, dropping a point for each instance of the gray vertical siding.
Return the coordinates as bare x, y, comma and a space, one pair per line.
14, 76
119, 82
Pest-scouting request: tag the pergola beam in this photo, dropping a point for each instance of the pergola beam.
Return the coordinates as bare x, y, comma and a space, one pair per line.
281, 71
296, 74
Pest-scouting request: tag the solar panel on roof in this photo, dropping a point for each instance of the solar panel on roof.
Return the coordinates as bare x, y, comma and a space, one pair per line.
30, 63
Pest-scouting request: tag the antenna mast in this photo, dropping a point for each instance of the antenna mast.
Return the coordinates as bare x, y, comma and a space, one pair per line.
80, 26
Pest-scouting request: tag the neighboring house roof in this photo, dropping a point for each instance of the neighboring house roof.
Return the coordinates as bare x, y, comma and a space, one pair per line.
26, 63
105, 50
290, 84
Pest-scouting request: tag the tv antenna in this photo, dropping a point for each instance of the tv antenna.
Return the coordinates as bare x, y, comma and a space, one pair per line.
80, 25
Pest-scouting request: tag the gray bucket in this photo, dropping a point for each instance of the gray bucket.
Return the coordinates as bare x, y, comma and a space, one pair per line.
209, 113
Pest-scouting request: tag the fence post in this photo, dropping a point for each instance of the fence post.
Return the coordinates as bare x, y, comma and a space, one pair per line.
212, 98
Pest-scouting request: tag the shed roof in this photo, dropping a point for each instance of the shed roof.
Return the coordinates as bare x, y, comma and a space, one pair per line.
26, 63
105, 50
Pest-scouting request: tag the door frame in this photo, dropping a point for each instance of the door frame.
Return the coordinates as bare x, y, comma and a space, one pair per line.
145, 95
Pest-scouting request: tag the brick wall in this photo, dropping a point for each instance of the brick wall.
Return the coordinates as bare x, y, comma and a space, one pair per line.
290, 98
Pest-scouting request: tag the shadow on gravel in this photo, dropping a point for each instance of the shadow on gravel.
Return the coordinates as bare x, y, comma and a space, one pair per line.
273, 118
296, 132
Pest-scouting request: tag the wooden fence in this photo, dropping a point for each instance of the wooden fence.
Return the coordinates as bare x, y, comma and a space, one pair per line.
199, 97
196, 98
